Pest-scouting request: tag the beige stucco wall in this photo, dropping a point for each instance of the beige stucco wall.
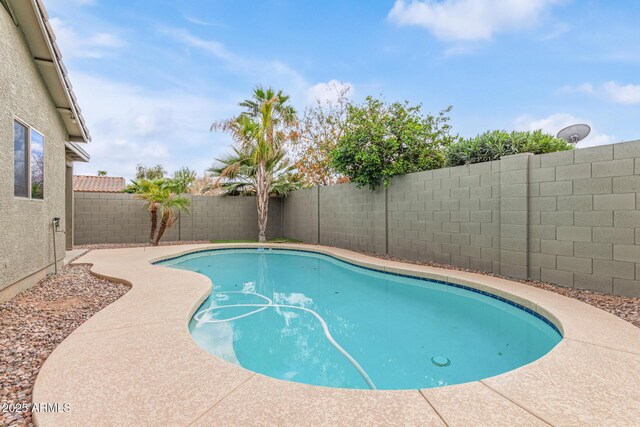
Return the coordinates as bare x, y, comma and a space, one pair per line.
25, 225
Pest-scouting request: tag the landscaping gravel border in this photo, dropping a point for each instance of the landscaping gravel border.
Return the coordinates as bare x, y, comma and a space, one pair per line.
139, 245
35, 321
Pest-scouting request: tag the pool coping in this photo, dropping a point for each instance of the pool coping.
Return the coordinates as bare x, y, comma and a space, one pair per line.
134, 362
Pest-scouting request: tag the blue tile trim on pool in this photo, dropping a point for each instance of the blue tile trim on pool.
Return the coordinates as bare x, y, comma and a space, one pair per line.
425, 279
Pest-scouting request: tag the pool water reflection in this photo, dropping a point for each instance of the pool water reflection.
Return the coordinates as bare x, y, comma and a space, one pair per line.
310, 318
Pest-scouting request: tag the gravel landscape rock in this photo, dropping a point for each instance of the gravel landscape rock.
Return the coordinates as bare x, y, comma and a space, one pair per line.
34, 322
139, 245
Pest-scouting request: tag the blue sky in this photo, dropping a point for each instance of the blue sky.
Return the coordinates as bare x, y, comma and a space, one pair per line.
151, 76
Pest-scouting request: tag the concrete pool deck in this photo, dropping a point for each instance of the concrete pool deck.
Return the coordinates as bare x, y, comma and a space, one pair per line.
135, 363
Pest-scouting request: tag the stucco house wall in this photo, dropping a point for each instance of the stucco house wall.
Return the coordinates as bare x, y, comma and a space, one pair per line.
26, 241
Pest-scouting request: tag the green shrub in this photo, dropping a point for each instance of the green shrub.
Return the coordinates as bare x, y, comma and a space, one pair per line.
492, 145
382, 140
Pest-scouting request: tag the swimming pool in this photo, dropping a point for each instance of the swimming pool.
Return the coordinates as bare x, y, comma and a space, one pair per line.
311, 318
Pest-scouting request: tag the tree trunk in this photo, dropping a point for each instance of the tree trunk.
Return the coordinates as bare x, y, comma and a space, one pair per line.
166, 215
262, 201
154, 222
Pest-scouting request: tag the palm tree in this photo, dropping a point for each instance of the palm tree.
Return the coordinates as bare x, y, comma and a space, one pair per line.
169, 204
160, 197
236, 175
148, 191
261, 132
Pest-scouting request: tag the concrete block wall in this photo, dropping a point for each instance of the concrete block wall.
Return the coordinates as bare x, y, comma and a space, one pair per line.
352, 218
228, 218
121, 218
571, 218
584, 218
449, 216
111, 218
513, 222
300, 208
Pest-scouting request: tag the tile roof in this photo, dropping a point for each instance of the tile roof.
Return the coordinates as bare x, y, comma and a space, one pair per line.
103, 184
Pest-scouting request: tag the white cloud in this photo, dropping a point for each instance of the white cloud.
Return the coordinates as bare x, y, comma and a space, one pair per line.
76, 45
328, 91
269, 72
105, 40
130, 125
612, 91
468, 19
460, 49
556, 122
211, 47
197, 21
557, 30
278, 73
202, 22
622, 94
586, 88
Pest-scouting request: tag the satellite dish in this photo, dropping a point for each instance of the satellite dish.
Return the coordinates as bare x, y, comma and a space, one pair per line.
574, 133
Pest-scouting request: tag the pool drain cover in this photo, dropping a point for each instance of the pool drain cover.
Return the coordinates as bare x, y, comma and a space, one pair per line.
440, 361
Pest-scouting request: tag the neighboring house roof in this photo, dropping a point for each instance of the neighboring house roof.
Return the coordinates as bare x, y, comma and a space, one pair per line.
102, 184
31, 17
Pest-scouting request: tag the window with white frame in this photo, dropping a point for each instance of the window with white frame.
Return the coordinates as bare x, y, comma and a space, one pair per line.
28, 161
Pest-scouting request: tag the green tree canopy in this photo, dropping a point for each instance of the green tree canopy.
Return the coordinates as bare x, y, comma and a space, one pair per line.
383, 140
183, 178
321, 128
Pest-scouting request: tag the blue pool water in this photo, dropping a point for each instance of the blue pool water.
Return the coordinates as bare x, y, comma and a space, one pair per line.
310, 318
